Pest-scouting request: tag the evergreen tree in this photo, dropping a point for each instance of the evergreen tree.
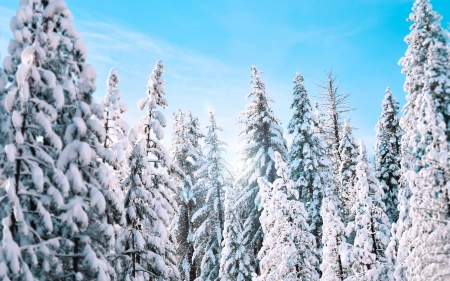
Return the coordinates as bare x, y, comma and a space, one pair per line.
289, 249
348, 151
308, 159
429, 176
423, 176
149, 206
367, 256
387, 154
213, 177
333, 106
35, 188
116, 128
187, 155
235, 262
262, 136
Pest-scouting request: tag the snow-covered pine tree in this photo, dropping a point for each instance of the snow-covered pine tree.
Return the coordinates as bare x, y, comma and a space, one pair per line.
289, 249
333, 235
387, 153
187, 156
429, 177
145, 245
367, 256
426, 44
348, 151
90, 205
214, 177
235, 262
35, 188
261, 136
116, 128
308, 158
333, 106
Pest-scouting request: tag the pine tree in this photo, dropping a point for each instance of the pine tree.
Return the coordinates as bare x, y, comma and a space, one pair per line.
426, 67
333, 106
35, 188
348, 151
308, 159
187, 155
387, 153
289, 249
116, 128
213, 177
429, 177
262, 136
235, 262
367, 256
149, 206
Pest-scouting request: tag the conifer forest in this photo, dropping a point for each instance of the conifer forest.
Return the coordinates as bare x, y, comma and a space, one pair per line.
85, 195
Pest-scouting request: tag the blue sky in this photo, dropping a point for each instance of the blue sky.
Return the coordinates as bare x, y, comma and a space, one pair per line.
209, 46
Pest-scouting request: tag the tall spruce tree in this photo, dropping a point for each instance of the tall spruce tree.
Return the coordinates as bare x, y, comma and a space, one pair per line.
149, 206
289, 249
348, 151
308, 158
429, 176
425, 117
187, 155
235, 262
35, 188
387, 153
116, 128
367, 256
214, 176
261, 136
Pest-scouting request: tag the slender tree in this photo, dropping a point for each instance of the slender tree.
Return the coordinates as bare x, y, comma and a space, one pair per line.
333, 106
187, 155
367, 256
213, 178
261, 136
387, 153
149, 206
289, 249
235, 262
116, 128
308, 158
348, 151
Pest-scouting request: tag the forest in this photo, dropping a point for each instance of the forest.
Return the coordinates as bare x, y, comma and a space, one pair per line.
86, 196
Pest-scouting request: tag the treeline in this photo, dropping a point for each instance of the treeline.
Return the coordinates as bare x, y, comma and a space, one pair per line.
85, 196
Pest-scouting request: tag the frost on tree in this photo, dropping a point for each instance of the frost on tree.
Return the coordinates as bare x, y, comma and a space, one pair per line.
333, 236
429, 175
423, 218
308, 158
333, 105
387, 153
145, 245
348, 153
261, 136
235, 261
116, 128
187, 156
289, 249
214, 176
366, 257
